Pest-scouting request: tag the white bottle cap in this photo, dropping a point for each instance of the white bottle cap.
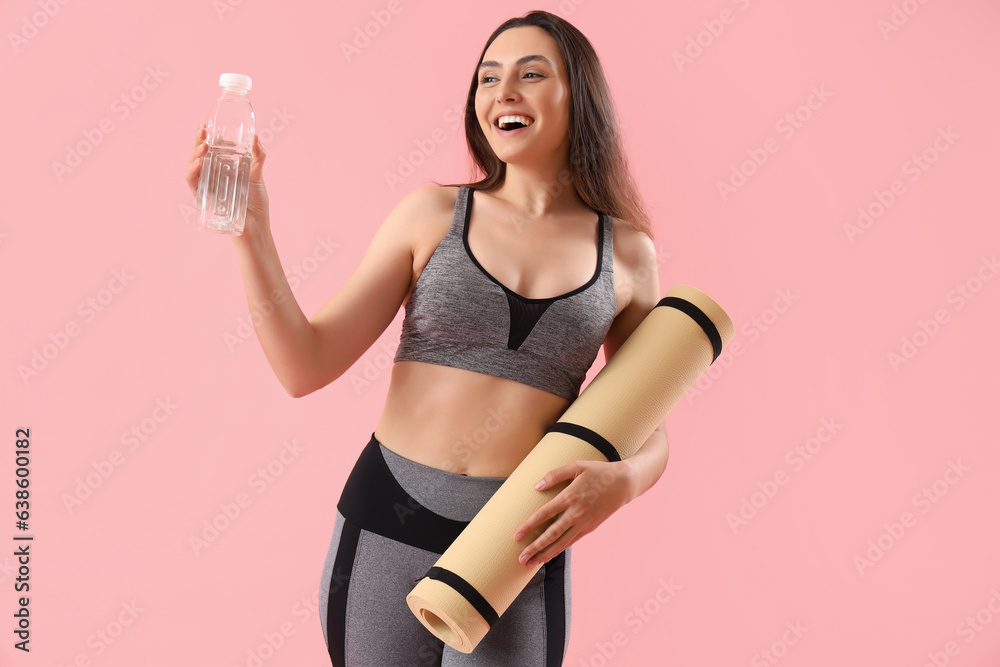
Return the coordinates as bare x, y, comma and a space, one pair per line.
231, 80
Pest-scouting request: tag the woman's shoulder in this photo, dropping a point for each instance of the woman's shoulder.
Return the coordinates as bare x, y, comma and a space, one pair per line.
430, 212
435, 195
635, 262
427, 206
634, 244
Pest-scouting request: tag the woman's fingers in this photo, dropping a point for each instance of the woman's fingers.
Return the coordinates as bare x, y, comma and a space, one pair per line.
199, 140
258, 155
197, 136
194, 165
201, 149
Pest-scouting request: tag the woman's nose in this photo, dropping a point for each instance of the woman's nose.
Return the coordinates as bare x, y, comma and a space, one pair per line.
507, 90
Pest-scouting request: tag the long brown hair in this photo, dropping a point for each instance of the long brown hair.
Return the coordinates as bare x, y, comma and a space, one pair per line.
598, 167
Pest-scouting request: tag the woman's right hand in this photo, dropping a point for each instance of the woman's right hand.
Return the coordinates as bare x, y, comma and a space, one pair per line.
258, 216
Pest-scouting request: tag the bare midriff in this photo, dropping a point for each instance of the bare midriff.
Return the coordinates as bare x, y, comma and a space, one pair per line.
463, 421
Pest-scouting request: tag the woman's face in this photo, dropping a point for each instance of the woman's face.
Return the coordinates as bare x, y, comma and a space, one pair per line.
536, 87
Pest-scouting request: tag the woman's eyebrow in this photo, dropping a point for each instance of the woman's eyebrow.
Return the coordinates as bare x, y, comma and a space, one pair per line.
520, 61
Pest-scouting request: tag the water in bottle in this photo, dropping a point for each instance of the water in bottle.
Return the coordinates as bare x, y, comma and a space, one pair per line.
225, 169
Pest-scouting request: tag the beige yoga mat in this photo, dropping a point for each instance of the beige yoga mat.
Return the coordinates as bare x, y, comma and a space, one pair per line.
478, 576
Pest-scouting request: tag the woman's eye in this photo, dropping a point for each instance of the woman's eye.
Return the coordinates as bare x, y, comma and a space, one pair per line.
485, 78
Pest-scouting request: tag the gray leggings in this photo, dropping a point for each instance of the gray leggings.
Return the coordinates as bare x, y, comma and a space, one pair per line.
394, 519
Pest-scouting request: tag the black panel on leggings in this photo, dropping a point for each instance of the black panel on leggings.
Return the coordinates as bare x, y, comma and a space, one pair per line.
555, 610
374, 500
340, 582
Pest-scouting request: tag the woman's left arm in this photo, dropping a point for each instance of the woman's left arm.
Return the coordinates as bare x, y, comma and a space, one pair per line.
600, 488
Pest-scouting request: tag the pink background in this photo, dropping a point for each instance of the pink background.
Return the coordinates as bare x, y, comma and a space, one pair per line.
337, 126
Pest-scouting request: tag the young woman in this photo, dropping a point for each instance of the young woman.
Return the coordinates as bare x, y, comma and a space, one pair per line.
510, 286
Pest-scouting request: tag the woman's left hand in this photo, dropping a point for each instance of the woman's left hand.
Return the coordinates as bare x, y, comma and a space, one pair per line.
598, 489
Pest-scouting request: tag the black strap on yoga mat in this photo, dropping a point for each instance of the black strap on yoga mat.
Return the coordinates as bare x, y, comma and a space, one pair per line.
696, 314
598, 441
467, 591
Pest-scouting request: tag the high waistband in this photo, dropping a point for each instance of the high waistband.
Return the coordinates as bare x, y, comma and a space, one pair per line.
410, 502
449, 494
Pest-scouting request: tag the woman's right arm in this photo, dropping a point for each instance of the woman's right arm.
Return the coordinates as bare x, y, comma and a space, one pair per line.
304, 354
286, 336
307, 355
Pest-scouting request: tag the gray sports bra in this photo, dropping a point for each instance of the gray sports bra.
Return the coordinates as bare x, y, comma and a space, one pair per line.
459, 315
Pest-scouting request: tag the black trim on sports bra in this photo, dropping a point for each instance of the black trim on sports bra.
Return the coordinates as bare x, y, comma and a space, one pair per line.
510, 292
525, 312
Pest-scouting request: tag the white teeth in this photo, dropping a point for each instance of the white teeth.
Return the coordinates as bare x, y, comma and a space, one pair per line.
524, 120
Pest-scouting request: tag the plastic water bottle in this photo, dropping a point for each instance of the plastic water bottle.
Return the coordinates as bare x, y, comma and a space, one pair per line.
225, 170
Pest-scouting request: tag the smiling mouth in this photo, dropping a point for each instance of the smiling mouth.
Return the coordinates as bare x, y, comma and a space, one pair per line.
512, 122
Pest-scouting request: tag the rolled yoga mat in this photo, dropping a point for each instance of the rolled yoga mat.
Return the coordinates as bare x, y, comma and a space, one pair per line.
478, 576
